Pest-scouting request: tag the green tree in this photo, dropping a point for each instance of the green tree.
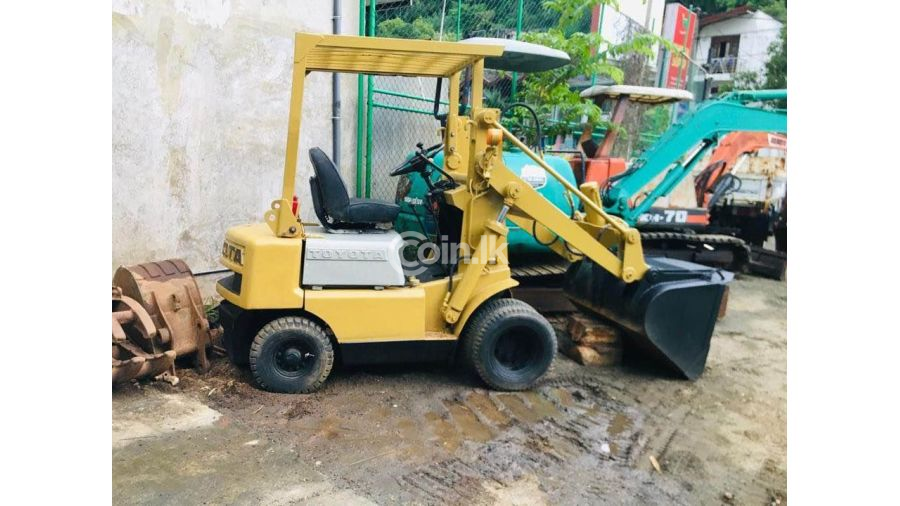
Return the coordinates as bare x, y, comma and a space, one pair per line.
776, 67
745, 80
420, 28
484, 18
551, 92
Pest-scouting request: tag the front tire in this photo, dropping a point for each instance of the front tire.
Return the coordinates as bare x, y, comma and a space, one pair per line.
291, 355
509, 344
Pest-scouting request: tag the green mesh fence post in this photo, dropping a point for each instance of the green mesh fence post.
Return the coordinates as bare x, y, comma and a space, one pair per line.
370, 84
599, 32
360, 121
458, 19
515, 76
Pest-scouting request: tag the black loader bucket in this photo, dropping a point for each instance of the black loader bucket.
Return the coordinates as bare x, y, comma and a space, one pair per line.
671, 311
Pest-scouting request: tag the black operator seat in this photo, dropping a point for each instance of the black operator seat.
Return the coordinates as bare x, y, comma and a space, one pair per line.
334, 206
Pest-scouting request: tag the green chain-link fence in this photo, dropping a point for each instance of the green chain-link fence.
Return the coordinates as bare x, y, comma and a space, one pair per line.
397, 111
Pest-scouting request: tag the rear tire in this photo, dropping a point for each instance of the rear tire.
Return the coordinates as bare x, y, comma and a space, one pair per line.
509, 344
291, 355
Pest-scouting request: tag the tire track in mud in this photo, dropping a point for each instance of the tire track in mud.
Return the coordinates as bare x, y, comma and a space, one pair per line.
560, 429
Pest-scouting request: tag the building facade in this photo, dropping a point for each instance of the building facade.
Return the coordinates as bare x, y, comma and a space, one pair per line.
735, 41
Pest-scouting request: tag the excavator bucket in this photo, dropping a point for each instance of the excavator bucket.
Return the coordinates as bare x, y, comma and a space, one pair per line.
136, 348
671, 311
168, 291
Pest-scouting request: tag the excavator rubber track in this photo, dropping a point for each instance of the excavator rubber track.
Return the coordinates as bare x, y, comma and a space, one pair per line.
716, 250
540, 284
538, 269
768, 263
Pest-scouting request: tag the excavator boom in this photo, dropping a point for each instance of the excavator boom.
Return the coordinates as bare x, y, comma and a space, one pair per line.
684, 144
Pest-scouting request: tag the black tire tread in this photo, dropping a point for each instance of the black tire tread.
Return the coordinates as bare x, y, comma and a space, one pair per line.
485, 317
292, 323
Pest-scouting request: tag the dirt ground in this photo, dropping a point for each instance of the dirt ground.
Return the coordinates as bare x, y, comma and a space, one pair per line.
433, 435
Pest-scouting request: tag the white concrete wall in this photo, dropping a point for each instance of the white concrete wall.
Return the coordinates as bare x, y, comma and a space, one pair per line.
757, 30
200, 97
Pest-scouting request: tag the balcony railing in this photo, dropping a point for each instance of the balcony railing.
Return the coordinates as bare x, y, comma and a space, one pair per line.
723, 65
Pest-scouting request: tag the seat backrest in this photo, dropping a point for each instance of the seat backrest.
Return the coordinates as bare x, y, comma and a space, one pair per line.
335, 200
324, 219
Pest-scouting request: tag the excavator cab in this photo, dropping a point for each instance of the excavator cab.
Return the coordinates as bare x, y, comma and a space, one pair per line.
600, 166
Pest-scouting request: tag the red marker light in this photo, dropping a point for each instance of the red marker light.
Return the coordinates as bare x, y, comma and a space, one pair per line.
294, 204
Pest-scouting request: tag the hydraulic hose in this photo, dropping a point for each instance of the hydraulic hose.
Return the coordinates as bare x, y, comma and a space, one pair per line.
539, 141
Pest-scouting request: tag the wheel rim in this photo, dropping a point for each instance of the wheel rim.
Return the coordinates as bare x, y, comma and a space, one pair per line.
294, 358
517, 348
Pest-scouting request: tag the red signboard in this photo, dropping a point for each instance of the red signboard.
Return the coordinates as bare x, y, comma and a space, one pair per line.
681, 29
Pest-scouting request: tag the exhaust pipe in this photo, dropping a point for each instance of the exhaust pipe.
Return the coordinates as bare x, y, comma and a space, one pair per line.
671, 312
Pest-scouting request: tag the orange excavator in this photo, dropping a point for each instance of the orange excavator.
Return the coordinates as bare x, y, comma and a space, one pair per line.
744, 188
730, 150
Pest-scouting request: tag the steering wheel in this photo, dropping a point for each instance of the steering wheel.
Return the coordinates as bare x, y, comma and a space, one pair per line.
419, 161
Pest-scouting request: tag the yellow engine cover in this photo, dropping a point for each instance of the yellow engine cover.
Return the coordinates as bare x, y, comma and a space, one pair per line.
269, 267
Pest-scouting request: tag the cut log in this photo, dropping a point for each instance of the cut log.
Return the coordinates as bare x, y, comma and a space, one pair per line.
584, 329
564, 341
588, 355
723, 307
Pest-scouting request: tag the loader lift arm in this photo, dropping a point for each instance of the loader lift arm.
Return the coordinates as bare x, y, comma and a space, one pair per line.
683, 145
669, 305
603, 239
595, 236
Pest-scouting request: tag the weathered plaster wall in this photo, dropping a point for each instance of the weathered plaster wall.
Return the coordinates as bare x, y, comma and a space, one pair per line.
199, 119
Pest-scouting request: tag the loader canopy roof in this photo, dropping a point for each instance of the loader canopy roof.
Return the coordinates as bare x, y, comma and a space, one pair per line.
521, 56
384, 56
637, 94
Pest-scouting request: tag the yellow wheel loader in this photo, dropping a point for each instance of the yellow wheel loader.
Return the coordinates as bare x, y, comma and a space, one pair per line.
303, 296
